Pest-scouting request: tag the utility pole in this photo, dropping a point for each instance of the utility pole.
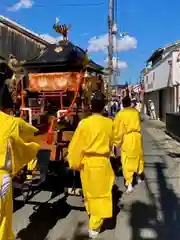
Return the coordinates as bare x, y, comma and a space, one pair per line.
110, 50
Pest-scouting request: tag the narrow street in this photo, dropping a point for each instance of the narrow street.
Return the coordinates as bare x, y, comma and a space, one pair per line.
152, 211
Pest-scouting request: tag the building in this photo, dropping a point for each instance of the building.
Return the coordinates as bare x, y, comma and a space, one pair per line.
141, 78
120, 90
19, 41
162, 79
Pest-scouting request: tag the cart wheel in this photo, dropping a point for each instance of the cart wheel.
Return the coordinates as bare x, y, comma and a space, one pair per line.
26, 196
26, 191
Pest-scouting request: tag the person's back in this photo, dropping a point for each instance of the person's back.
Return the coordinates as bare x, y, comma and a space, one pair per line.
95, 139
89, 152
98, 135
127, 135
130, 119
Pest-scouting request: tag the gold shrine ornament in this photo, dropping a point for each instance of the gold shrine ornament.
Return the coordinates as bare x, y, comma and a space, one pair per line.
61, 82
58, 49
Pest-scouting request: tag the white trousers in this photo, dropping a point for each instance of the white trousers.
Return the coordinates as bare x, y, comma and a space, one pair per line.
153, 114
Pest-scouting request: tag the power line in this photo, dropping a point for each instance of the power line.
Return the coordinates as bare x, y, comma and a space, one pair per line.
64, 5
74, 5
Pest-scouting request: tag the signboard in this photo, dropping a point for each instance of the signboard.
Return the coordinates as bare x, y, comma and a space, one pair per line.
47, 82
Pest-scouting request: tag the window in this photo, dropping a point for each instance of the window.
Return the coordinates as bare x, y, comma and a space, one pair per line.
153, 76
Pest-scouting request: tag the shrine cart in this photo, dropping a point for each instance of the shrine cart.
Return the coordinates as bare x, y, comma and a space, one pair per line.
62, 79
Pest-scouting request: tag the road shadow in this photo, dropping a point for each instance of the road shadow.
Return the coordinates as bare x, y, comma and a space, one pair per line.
43, 160
52, 184
144, 218
170, 207
46, 215
17, 205
110, 223
58, 176
141, 217
173, 154
77, 235
44, 218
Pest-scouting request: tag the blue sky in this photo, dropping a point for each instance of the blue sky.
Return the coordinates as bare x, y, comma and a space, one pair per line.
150, 24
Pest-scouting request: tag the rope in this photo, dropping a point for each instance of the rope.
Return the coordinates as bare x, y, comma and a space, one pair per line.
72, 103
50, 131
85, 63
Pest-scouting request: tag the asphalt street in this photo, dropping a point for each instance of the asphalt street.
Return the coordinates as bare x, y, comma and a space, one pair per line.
151, 212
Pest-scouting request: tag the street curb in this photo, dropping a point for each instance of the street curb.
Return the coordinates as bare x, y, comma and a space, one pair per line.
174, 137
162, 127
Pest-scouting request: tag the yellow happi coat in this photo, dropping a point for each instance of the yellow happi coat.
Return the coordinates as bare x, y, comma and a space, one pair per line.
89, 152
127, 136
27, 134
17, 148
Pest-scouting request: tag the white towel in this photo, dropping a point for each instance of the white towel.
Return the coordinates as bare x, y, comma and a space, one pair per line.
5, 186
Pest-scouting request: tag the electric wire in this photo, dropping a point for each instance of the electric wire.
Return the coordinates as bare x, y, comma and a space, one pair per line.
74, 5
61, 5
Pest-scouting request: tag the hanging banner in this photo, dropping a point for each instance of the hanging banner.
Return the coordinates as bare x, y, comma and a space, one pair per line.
47, 82
136, 88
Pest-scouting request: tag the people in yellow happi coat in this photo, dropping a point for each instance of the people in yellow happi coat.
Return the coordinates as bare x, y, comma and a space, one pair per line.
127, 136
89, 152
17, 148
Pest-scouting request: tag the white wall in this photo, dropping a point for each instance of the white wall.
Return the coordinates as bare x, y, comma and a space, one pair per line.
164, 80
158, 77
176, 67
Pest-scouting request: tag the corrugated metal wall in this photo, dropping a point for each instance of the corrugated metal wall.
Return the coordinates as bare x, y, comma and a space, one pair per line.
21, 46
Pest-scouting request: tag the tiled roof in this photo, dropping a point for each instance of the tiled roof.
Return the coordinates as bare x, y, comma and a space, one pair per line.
6, 21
